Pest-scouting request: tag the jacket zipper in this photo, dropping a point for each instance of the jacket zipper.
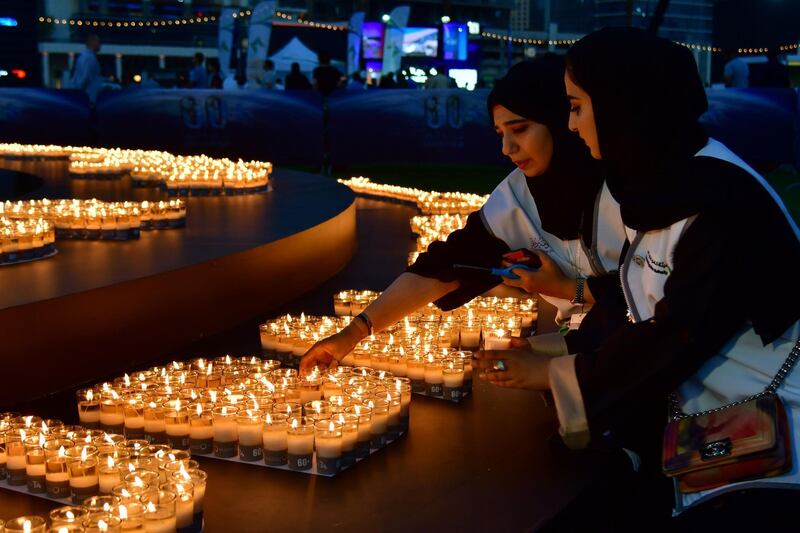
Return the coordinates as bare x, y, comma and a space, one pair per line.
623, 270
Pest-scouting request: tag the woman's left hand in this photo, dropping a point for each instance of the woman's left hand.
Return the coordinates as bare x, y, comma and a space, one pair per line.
548, 279
517, 369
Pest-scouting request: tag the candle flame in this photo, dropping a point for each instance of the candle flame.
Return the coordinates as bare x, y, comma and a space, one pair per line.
89, 395
125, 493
331, 427
45, 429
26, 526
228, 360
123, 512
178, 404
131, 468
62, 452
150, 507
153, 405
269, 419
70, 515
224, 410
22, 434
42, 439
213, 395
127, 380
137, 481
28, 421
102, 526
199, 409
84, 454
294, 423
110, 462
107, 438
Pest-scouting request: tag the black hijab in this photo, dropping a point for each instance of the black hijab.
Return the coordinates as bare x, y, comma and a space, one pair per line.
647, 98
565, 193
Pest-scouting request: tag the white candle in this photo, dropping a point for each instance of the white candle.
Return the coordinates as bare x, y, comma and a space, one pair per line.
201, 432
35, 469
250, 434
16, 462
56, 477
225, 430
184, 510
111, 419
300, 444
159, 524
134, 422
379, 422
154, 425
83, 482
274, 438
453, 379
108, 479
178, 430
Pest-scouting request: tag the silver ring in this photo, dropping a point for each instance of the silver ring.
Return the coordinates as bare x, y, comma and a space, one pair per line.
499, 365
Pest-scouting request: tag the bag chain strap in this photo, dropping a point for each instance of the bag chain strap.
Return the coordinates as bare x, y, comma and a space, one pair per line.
783, 371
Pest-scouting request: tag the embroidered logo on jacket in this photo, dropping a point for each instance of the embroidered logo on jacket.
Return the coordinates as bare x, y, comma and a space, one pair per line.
659, 267
537, 243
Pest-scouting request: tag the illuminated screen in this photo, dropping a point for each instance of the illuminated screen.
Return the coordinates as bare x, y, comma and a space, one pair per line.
454, 40
420, 42
372, 40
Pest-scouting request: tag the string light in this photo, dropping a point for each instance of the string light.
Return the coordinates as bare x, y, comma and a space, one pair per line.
161, 23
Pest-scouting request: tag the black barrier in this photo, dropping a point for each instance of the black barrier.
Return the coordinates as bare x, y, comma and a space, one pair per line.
374, 126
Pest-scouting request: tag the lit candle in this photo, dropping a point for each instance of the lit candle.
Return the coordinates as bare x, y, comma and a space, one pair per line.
403, 386
184, 508
497, 340
416, 373
453, 380
88, 409
379, 422
274, 437
15, 462
364, 414
68, 515
201, 429
466, 361
249, 428
198, 478
177, 427
160, 512
310, 388
300, 443
108, 474
349, 438
83, 478
470, 335
35, 469
433, 377
26, 524
328, 443
225, 431
56, 472
331, 386
133, 409
112, 414
394, 425
155, 429
132, 516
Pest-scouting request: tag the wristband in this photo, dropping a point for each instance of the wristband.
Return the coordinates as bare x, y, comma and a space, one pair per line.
363, 316
579, 285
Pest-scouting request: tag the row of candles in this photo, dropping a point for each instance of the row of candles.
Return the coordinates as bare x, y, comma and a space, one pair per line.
255, 410
186, 175
428, 202
95, 219
113, 483
25, 239
431, 228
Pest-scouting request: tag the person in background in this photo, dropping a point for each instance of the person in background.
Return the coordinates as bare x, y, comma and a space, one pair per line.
85, 73
387, 81
296, 80
268, 78
326, 77
356, 81
214, 78
736, 72
198, 76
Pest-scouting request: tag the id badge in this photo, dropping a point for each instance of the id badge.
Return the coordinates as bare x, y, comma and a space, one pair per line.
575, 320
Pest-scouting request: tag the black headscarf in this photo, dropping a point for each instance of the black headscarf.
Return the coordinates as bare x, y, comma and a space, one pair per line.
647, 98
565, 193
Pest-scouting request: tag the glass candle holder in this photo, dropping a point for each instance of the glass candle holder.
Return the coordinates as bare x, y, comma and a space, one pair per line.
108, 472
198, 478
26, 524
133, 410
155, 430
66, 528
300, 443
56, 472
131, 515
68, 514
134, 447
184, 502
112, 414
393, 423
88, 408
274, 439
100, 504
83, 475
469, 336
225, 431
349, 424
331, 386
102, 523
310, 388
496, 339
15, 460
177, 427
201, 429
453, 379
160, 511
379, 423
415, 367
433, 377
249, 427
317, 409
328, 444
35, 464
364, 414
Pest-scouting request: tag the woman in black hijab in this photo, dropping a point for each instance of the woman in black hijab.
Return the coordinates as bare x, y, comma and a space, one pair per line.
554, 203
710, 276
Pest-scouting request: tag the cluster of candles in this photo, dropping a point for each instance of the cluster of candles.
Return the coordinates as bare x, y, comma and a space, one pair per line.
25, 239
94, 219
114, 483
13, 151
254, 410
431, 348
431, 228
428, 202
185, 175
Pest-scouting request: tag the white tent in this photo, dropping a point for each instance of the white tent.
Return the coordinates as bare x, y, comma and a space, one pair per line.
294, 52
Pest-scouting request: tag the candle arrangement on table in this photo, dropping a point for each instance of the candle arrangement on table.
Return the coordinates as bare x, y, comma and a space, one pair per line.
198, 175
24, 240
95, 219
113, 483
252, 410
428, 202
431, 228
430, 347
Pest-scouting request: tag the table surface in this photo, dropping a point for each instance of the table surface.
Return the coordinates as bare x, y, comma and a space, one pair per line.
215, 227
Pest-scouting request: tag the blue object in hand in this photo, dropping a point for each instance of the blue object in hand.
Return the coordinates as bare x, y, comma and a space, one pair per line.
503, 272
